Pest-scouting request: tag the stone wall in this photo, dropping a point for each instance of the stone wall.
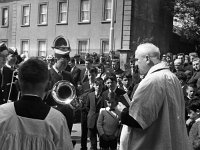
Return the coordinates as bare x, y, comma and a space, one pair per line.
152, 18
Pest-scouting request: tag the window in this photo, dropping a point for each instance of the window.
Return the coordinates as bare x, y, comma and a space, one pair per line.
43, 14
83, 46
62, 12
105, 46
4, 17
26, 15
107, 10
85, 11
42, 48
25, 46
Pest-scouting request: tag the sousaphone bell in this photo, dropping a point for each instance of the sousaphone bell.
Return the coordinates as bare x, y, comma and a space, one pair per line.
64, 92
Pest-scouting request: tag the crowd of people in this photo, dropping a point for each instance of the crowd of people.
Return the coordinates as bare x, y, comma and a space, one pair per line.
152, 104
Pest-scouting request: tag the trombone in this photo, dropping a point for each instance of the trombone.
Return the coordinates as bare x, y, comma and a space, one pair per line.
14, 75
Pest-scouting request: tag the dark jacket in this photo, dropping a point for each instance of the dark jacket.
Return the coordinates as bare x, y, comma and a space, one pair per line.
76, 75
65, 109
7, 77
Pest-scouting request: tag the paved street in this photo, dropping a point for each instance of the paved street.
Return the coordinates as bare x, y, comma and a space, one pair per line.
76, 135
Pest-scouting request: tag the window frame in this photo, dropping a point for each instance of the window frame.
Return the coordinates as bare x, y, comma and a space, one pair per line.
80, 13
39, 14
58, 12
39, 52
21, 46
2, 16
101, 46
103, 12
88, 46
22, 16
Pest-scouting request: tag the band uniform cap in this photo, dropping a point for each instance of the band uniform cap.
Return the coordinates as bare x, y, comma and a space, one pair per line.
3, 47
61, 51
12, 51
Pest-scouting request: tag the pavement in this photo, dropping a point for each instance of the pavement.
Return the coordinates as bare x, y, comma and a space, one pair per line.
76, 135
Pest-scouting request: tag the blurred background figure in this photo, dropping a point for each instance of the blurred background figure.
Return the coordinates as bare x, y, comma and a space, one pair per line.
178, 66
101, 71
75, 71
50, 61
9, 72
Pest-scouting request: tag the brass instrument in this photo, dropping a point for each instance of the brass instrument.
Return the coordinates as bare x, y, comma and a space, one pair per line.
64, 92
14, 77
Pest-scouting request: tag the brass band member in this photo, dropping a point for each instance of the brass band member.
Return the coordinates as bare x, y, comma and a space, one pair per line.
10, 92
57, 73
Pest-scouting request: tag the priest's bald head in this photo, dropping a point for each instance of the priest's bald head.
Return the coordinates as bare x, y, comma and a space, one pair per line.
146, 56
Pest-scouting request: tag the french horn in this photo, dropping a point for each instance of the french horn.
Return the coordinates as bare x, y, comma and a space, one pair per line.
64, 92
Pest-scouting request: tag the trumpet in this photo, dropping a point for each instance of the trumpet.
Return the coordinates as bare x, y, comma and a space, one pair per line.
64, 92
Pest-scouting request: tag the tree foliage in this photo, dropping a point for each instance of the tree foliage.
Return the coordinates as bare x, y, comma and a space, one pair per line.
187, 19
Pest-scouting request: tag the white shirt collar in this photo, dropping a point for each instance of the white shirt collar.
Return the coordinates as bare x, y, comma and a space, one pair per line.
56, 70
73, 68
125, 88
113, 90
7, 65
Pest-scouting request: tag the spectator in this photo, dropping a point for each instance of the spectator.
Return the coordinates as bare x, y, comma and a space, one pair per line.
196, 73
108, 124
194, 134
178, 66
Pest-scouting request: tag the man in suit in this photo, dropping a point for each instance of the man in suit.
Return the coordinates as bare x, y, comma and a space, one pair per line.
84, 72
58, 73
94, 104
87, 88
9, 93
116, 67
75, 71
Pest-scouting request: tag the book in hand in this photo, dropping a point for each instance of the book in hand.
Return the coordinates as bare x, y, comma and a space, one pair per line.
124, 99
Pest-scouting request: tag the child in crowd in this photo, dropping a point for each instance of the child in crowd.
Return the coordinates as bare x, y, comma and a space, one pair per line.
189, 98
108, 124
190, 94
194, 134
94, 103
119, 80
126, 82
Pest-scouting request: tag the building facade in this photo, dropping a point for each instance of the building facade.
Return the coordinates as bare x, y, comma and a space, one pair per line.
34, 27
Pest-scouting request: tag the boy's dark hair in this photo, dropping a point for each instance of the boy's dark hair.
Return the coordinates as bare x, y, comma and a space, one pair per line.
72, 59
93, 70
98, 81
194, 105
119, 73
89, 60
191, 85
33, 71
112, 77
126, 75
181, 76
